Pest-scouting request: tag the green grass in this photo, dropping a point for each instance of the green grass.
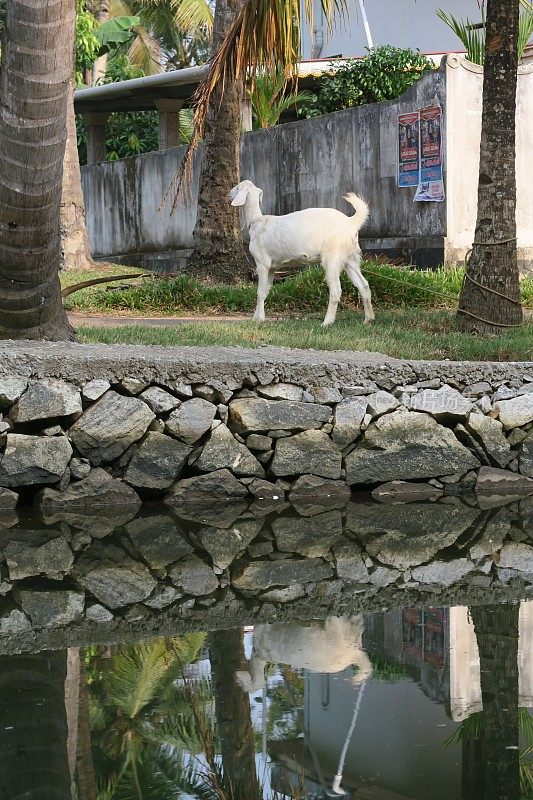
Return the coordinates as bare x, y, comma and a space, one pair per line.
302, 293
400, 333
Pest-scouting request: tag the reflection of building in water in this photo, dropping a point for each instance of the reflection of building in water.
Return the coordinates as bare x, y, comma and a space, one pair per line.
397, 743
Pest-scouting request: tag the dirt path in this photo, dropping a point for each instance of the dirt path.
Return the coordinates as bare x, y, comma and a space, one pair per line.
106, 321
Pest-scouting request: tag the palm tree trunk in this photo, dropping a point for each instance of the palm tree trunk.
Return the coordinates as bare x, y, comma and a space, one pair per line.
75, 249
33, 727
490, 299
219, 252
100, 65
85, 777
35, 75
497, 638
233, 718
72, 705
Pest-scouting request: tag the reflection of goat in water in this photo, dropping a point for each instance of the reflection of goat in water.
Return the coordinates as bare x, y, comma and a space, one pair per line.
330, 646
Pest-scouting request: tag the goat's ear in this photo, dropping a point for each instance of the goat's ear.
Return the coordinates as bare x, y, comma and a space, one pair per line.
240, 198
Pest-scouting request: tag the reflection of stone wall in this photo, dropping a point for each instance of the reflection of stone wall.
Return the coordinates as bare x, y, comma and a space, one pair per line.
114, 425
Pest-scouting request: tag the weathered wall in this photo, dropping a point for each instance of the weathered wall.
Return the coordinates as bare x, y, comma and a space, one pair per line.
313, 163
298, 165
464, 85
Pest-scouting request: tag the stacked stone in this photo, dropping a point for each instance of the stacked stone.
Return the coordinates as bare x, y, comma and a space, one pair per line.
117, 443
97, 575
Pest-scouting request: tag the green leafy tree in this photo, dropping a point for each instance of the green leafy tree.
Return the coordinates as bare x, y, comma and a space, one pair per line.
386, 72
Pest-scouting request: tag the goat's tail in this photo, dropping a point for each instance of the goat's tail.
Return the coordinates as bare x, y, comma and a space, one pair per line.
360, 208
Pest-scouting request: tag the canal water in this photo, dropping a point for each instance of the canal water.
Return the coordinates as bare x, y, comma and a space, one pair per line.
334, 688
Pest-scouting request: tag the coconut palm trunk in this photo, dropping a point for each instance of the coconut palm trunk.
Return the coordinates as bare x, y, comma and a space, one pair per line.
218, 252
497, 638
233, 717
33, 727
75, 248
490, 299
35, 74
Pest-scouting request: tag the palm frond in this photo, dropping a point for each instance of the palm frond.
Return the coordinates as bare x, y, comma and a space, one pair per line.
145, 52
470, 728
471, 36
136, 676
265, 35
190, 15
525, 26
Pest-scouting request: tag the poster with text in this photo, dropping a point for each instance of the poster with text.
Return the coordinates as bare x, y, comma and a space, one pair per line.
409, 149
431, 183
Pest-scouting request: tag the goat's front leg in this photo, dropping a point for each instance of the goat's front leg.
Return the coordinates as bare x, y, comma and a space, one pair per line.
332, 269
265, 279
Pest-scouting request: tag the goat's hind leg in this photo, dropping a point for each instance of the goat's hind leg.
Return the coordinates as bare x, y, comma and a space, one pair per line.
361, 284
265, 279
332, 269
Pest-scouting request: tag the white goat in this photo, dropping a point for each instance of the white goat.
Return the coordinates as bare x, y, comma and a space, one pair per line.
331, 646
314, 235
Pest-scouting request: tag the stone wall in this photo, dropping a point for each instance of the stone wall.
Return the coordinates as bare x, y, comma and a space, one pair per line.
192, 425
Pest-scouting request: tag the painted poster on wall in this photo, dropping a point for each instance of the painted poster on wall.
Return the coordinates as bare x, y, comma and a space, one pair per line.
431, 183
409, 149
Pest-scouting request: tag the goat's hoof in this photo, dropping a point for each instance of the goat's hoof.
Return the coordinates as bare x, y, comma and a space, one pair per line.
368, 321
258, 319
327, 324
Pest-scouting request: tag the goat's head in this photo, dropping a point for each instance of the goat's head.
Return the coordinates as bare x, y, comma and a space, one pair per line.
240, 193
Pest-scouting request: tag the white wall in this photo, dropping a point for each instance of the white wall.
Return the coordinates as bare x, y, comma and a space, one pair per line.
402, 23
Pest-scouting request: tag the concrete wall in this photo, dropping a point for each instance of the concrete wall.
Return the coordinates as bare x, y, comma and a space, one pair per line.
464, 86
300, 164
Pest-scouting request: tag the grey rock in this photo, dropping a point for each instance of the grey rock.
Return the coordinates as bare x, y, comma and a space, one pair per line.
194, 577
515, 412
93, 390
79, 468
350, 565
158, 400
517, 436
220, 485
48, 609
205, 392
443, 404
258, 415
325, 394
281, 391
478, 389
358, 391
106, 429
517, 556
98, 614
225, 544
443, 573
347, 421
406, 445
404, 536
494, 534
34, 553
113, 577
45, 399
310, 452
12, 620
489, 433
310, 488
312, 537
269, 574
191, 420
405, 492
8, 499
492, 481
381, 403
503, 393
10, 390
257, 441
133, 386
472, 443
222, 450
157, 463
265, 490
484, 405
158, 539
525, 458
383, 576
285, 595
30, 460
163, 596
54, 430
183, 390
97, 491
157, 426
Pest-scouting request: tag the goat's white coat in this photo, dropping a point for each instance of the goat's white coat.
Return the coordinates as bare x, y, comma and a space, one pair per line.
330, 646
313, 235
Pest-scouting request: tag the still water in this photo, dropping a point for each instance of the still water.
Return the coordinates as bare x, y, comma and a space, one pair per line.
424, 701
